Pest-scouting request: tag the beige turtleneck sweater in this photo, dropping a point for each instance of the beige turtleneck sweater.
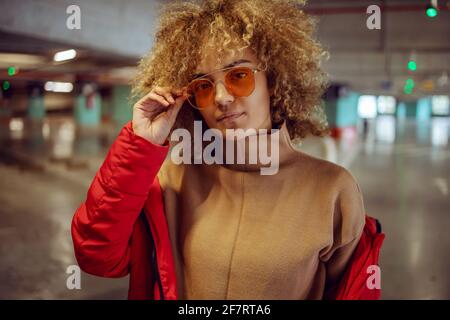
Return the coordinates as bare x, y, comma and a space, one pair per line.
237, 234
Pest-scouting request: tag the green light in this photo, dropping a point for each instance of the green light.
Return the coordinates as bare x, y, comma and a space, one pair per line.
407, 90
431, 12
410, 82
6, 85
409, 86
11, 71
412, 65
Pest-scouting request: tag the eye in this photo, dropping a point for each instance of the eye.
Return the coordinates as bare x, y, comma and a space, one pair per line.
204, 85
201, 85
239, 75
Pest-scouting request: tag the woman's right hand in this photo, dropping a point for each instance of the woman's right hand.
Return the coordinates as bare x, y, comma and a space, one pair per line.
154, 115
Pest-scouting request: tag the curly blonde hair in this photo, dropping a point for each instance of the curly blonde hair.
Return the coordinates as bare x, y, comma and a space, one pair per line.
278, 32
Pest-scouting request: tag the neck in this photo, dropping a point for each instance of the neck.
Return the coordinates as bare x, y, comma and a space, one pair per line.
264, 151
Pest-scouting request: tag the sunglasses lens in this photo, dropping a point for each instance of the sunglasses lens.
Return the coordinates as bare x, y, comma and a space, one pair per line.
201, 93
240, 81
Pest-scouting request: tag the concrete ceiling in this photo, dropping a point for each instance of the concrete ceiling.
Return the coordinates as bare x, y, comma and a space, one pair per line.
33, 58
366, 58
115, 33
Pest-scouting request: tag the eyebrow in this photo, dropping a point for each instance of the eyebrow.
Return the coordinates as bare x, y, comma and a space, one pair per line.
198, 75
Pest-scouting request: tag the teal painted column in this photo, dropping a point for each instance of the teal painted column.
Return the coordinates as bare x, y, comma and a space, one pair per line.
401, 111
88, 106
400, 115
36, 107
424, 109
423, 117
121, 105
411, 109
330, 107
347, 110
342, 113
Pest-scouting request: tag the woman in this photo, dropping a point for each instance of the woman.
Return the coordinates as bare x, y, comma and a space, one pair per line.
234, 233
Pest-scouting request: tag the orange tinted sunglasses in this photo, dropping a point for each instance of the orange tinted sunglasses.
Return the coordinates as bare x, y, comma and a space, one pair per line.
239, 81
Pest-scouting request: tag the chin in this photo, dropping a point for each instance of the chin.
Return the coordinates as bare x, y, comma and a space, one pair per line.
231, 125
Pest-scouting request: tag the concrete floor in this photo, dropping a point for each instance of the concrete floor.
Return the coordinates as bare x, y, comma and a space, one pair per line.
405, 185
403, 170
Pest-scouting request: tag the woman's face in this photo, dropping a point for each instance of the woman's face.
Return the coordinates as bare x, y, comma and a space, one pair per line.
228, 111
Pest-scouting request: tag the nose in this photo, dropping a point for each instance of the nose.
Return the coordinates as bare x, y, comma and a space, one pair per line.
222, 98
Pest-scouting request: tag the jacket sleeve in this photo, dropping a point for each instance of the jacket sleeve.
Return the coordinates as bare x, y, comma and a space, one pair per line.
102, 226
348, 224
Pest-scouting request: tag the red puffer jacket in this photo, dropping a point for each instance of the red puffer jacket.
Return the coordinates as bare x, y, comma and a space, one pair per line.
121, 227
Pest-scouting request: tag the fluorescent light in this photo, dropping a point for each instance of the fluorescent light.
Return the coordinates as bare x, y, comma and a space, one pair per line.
16, 124
386, 104
367, 107
58, 86
65, 55
16, 128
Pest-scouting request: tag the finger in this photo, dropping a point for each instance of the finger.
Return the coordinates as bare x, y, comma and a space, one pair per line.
150, 110
178, 92
156, 97
182, 94
175, 108
145, 97
165, 92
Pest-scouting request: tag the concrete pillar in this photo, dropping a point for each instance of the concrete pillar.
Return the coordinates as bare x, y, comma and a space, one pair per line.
121, 105
87, 105
36, 107
341, 108
424, 109
401, 111
411, 109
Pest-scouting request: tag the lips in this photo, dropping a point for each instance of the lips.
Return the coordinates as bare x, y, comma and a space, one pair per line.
229, 116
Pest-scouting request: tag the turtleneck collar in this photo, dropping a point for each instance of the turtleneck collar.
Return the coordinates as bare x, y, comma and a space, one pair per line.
285, 153
255, 153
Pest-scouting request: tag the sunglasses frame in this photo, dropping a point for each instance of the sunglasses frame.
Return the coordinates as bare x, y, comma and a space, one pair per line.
253, 69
